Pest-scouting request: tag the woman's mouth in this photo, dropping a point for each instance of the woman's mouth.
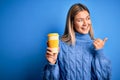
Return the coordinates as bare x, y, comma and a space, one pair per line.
84, 28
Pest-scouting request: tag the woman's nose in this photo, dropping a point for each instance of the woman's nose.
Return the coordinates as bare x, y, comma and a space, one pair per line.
85, 23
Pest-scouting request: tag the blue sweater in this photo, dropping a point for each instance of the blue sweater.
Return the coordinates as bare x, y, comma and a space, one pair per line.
79, 62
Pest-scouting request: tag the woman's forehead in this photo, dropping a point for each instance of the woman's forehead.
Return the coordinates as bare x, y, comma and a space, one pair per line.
82, 14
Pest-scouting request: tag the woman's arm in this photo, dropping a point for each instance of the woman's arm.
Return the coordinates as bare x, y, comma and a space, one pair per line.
51, 72
101, 65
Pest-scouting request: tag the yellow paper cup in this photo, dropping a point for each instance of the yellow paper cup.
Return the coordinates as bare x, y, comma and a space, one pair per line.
53, 41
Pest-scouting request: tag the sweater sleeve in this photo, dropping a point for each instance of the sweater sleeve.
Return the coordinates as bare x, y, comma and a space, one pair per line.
101, 65
51, 72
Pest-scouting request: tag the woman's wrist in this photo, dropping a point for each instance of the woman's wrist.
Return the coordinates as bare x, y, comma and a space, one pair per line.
52, 63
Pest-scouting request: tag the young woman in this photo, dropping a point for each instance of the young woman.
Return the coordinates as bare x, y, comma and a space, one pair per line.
80, 56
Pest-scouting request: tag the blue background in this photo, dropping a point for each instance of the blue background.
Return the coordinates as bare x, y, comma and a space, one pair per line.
24, 25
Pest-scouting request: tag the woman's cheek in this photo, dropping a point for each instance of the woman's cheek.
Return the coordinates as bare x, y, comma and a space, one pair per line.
89, 22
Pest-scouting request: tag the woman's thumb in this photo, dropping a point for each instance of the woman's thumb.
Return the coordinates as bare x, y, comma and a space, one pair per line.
105, 39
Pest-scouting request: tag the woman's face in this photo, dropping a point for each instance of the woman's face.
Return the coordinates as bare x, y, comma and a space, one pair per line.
82, 22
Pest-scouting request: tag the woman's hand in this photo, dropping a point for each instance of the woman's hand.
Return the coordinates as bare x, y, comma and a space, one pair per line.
51, 57
99, 44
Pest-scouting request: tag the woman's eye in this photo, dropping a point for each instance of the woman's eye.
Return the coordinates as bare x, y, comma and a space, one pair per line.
88, 18
80, 20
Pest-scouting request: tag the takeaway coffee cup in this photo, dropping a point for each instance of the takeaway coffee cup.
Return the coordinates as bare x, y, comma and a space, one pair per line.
53, 41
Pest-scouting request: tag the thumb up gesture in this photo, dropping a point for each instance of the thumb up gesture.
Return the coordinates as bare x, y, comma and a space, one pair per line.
98, 43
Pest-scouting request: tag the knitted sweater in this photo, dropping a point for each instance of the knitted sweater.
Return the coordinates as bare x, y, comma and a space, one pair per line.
79, 62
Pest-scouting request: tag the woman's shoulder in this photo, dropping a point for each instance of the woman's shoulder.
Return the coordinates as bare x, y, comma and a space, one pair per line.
62, 43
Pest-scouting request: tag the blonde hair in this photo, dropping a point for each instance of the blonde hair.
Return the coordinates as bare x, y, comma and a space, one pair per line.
69, 33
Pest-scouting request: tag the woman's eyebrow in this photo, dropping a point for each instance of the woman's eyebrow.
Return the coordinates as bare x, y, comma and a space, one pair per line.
83, 18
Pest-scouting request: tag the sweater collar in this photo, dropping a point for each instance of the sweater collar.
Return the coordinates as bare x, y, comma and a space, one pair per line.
83, 37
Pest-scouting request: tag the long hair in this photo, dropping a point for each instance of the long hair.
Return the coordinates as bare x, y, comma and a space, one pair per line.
69, 33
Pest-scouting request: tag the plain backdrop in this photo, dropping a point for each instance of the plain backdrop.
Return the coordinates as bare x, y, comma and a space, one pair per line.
24, 25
